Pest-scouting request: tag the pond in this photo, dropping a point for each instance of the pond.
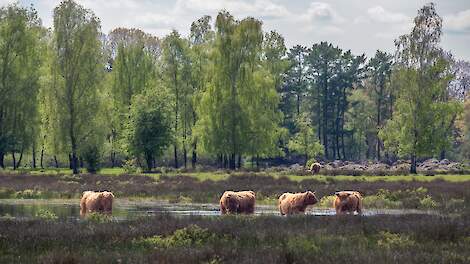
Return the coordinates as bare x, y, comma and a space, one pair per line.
126, 209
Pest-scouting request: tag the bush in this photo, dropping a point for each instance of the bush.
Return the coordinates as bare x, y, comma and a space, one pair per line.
327, 201
380, 201
130, 166
92, 156
390, 240
189, 236
46, 215
99, 218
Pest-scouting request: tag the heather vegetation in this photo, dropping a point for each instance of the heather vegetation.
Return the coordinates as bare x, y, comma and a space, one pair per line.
231, 239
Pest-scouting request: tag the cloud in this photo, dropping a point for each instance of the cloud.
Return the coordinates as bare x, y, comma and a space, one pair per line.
5, 2
381, 15
257, 8
322, 12
458, 23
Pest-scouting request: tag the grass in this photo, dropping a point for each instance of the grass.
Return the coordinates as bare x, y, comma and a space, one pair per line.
414, 194
220, 175
238, 239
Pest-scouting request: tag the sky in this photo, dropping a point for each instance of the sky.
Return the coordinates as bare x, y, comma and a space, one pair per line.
360, 25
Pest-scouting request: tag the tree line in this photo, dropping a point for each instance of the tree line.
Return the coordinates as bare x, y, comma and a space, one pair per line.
226, 94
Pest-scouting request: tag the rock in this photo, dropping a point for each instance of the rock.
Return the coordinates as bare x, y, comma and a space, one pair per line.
296, 167
444, 162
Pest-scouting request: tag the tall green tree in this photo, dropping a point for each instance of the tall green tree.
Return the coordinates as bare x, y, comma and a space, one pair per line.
379, 70
20, 61
423, 115
334, 74
133, 71
201, 38
175, 75
78, 56
238, 110
360, 121
149, 132
295, 85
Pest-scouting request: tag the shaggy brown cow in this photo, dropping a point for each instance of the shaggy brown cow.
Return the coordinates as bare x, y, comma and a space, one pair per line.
100, 202
295, 203
315, 168
348, 202
237, 202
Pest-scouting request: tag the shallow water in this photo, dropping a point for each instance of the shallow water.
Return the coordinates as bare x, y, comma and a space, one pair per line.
125, 209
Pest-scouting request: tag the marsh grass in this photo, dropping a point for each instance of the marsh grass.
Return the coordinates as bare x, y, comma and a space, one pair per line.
238, 239
414, 194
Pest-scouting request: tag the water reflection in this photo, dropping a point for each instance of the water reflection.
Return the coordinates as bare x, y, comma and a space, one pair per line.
125, 209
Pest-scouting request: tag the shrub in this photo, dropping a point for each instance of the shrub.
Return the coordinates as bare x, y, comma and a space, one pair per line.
189, 236
99, 218
390, 240
327, 201
92, 156
45, 214
28, 194
130, 166
376, 201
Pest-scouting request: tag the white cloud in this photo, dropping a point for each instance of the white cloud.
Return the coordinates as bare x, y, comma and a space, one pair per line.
379, 14
6, 2
257, 8
322, 12
459, 22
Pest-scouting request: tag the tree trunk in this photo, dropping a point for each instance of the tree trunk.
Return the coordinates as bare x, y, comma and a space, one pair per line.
257, 161
18, 164
14, 160
175, 156
148, 160
413, 164
232, 161
443, 154
42, 159
70, 161
298, 104
225, 161
2, 160
194, 158
185, 156
113, 159
34, 156
56, 162
74, 162
379, 103
239, 161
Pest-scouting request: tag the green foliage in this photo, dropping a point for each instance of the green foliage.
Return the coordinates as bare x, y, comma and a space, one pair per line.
327, 201
77, 69
334, 73
149, 131
99, 218
423, 113
238, 110
412, 199
305, 141
20, 60
191, 236
92, 156
130, 166
46, 215
360, 121
389, 240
